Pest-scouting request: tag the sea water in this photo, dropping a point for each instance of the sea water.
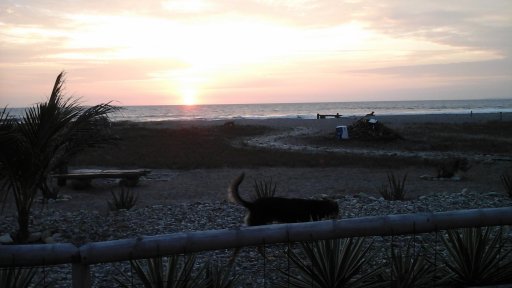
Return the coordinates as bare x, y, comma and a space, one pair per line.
303, 110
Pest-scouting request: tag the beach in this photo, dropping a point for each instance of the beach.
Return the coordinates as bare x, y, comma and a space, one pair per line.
295, 176
192, 164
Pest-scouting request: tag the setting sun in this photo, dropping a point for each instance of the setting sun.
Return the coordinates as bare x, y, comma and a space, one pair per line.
189, 96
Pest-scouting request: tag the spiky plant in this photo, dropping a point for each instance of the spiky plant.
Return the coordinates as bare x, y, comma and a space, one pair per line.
409, 269
396, 188
21, 278
165, 272
216, 276
332, 263
178, 272
478, 256
124, 199
265, 189
506, 179
44, 139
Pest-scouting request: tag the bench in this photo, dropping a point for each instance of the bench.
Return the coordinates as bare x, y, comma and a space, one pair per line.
323, 116
81, 179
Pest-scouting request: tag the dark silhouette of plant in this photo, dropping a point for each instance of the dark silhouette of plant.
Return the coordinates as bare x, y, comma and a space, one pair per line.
396, 188
265, 189
21, 278
46, 137
332, 263
478, 256
506, 179
409, 269
178, 272
124, 199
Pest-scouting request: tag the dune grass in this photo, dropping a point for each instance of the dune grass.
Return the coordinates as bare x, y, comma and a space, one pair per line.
212, 147
209, 147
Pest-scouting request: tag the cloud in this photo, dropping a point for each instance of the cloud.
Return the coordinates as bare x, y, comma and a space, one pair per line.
483, 69
476, 24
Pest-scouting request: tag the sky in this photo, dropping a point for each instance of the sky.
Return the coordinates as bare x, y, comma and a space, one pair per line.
255, 51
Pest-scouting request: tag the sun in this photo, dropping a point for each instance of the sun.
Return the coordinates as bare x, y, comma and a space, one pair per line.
189, 96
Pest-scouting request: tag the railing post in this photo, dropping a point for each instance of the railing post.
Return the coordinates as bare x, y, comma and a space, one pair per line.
81, 275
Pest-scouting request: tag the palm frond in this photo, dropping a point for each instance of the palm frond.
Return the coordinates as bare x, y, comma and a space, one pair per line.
46, 137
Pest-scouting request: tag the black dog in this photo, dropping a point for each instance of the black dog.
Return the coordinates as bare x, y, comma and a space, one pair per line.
268, 210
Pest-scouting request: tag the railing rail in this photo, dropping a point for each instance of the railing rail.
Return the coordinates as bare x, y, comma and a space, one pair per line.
187, 242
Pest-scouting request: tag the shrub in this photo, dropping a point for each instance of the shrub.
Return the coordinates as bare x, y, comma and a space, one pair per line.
178, 272
332, 263
265, 189
21, 278
477, 256
44, 139
410, 269
506, 179
124, 199
396, 188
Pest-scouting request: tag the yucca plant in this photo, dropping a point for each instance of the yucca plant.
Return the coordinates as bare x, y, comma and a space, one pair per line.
164, 272
124, 199
396, 188
506, 179
332, 264
46, 137
265, 189
409, 269
21, 278
478, 256
217, 276
178, 272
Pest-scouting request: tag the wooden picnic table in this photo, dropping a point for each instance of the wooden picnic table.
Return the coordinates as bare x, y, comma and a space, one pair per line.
82, 178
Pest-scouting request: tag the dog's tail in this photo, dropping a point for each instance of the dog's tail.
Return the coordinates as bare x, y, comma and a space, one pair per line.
233, 194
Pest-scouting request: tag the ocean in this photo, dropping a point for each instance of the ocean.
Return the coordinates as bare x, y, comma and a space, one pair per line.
303, 110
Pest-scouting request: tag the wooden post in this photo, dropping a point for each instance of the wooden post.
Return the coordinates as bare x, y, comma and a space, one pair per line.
81, 275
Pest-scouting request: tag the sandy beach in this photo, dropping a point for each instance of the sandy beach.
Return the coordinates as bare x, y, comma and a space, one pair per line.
167, 186
192, 164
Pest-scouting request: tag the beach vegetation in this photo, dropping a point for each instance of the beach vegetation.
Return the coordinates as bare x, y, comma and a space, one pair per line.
409, 269
21, 277
395, 190
478, 256
506, 180
44, 140
178, 272
265, 188
125, 198
332, 263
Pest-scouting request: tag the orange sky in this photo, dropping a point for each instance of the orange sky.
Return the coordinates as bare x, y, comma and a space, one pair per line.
260, 51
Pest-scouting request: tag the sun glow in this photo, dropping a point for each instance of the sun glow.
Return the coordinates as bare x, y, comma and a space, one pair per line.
189, 96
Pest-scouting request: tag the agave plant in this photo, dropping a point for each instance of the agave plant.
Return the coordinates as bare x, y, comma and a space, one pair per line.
506, 179
154, 273
178, 272
478, 256
334, 264
217, 276
21, 278
265, 189
44, 139
124, 199
410, 269
397, 188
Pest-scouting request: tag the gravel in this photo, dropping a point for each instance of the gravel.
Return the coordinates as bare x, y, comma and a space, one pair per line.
84, 226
